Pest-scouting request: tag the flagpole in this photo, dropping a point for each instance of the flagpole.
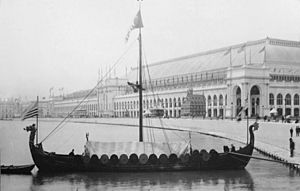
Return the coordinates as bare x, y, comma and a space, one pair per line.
230, 63
247, 119
140, 84
140, 89
37, 120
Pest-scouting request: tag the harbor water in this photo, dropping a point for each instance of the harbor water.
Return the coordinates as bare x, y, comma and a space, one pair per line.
258, 175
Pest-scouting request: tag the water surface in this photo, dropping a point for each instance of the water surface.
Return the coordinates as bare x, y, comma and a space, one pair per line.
258, 175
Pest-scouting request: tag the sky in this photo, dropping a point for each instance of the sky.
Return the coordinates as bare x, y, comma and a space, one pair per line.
64, 44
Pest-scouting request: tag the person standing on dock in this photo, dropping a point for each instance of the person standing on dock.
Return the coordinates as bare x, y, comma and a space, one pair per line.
297, 130
292, 147
72, 153
291, 131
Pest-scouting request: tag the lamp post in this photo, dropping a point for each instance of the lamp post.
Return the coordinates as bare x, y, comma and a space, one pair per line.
231, 110
246, 105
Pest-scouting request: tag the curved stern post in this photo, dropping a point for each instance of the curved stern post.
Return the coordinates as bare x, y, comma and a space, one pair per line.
32, 146
252, 128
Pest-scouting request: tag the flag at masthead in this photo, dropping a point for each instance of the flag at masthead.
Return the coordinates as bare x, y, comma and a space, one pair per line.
137, 24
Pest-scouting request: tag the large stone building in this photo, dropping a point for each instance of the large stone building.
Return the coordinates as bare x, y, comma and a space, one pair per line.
15, 108
89, 103
10, 108
260, 75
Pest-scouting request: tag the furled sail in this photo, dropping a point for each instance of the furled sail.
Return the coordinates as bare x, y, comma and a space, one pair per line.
118, 148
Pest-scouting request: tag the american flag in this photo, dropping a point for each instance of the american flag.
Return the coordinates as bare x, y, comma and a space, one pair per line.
31, 111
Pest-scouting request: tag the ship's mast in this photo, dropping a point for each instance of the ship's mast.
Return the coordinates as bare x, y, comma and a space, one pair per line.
140, 87
37, 121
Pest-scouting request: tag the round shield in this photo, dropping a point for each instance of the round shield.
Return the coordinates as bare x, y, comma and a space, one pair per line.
133, 159
205, 155
213, 154
185, 158
104, 159
94, 160
143, 158
153, 159
173, 158
196, 156
114, 159
123, 159
86, 159
163, 159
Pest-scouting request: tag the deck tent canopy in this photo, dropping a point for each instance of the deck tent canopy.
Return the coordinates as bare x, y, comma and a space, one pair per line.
118, 148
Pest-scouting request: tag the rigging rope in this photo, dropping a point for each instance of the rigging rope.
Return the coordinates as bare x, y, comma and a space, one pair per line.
155, 95
59, 126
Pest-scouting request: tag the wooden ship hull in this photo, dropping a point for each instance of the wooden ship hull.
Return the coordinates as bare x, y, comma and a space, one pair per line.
195, 160
21, 169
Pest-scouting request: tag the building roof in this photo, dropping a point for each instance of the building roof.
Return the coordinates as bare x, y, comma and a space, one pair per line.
277, 51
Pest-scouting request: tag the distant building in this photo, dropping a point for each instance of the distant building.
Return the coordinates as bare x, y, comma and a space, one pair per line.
62, 106
107, 91
260, 75
10, 108
193, 105
99, 103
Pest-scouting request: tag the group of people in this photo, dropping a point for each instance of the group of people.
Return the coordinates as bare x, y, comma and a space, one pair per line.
226, 148
86, 152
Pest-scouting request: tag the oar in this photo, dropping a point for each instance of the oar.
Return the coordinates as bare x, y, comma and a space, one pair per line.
259, 158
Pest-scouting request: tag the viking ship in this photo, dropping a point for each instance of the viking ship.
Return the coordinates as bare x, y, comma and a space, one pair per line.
139, 156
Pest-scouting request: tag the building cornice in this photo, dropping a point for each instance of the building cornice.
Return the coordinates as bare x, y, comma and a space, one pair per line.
270, 41
288, 43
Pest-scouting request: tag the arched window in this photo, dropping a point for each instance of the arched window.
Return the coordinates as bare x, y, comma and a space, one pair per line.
226, 99
215, 100
221, 100
209, 100
170, 102
288, 99
238, 91
271, 99
166, 102
174, 101
296, 99
179, 102
279, 99
154, 102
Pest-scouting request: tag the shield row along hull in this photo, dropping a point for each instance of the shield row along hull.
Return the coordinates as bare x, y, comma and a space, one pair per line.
194, 161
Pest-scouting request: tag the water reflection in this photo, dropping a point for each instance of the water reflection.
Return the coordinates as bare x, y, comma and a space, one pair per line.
227, 180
